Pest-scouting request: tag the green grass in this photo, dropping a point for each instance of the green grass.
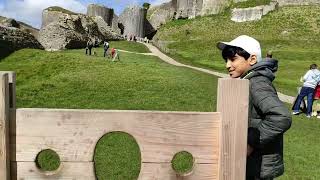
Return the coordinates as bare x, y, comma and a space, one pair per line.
117, 157
182, 162
302, 149
48, 160
60, 9
71, 79
292, 33
251, 3
129, 46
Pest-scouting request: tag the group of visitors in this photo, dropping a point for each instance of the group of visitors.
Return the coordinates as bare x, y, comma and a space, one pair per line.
135, 38
311, 90
112, 53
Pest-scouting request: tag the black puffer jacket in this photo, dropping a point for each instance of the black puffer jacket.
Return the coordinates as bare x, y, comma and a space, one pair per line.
268, 120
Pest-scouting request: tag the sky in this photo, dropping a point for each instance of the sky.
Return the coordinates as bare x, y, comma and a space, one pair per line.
30, 11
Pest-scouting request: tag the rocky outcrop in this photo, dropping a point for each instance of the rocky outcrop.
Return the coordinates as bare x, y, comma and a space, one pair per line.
133, 20
105, 30
66, 33
161, 14
251, 14
67, 30
52, 14
9, 22
15, 35
13, 39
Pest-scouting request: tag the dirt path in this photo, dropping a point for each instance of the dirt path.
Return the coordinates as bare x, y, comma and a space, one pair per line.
155, 51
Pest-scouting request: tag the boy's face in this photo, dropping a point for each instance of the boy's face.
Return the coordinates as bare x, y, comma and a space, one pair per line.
238, 65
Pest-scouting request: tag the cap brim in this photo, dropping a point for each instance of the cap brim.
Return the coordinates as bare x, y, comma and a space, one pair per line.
222, 45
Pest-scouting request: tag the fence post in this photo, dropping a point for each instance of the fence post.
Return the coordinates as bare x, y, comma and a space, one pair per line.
4, 127
233, 100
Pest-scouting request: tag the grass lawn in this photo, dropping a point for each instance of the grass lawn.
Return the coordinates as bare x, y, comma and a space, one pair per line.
129, 46
71, 79
292, 33
302, 149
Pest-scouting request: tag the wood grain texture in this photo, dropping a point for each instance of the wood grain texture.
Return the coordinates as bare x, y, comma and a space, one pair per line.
4, 128
85, 171
73, 134
233, 98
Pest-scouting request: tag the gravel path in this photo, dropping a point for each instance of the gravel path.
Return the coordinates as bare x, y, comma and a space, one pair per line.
155, 51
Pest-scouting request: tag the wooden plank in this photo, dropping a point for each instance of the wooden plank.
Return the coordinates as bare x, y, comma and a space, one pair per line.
85, 171
4, 127
233, 98
73, 133
12, 87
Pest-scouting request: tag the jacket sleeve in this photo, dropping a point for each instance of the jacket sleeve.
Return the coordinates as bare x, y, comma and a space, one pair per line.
276, 118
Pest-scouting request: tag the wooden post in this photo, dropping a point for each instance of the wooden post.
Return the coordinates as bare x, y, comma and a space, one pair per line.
4, 127
233, 100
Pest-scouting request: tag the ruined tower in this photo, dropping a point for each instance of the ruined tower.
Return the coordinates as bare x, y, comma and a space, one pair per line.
133, 19
104, 12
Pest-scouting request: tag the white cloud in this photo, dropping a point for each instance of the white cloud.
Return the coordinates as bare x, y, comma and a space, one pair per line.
30, 11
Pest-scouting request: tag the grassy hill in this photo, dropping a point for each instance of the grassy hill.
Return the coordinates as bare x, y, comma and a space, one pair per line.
292, 33
70, 79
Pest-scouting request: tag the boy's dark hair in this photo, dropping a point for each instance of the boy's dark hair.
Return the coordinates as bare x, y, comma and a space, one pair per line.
313, 66
230, 52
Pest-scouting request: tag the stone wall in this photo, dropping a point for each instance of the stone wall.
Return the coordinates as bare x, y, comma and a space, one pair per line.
104, 12
49, 16
161, 14
251, 14
133, 19
298, 2
213, 6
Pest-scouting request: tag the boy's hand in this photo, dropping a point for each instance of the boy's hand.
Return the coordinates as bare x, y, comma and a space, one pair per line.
249, 150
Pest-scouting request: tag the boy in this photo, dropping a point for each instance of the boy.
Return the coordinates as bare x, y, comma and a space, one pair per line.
268, 116
310, 81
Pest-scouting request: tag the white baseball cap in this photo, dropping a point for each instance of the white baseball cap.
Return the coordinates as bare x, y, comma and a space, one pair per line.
247, 43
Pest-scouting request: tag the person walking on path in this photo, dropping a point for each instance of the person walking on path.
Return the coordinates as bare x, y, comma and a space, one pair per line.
269, 118
310, 81
105, 48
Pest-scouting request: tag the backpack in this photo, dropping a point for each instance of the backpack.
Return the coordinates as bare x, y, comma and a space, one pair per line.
106, 45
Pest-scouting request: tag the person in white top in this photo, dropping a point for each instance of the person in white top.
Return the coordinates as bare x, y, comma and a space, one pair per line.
310, 81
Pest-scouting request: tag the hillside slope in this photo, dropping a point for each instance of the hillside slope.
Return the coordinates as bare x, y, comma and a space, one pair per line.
292, 33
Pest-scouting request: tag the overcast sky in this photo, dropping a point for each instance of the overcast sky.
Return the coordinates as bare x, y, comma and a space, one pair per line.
29, 11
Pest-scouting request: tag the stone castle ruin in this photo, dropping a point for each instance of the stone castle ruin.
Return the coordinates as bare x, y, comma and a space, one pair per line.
186, 9
133, 19
63, 29
104, 12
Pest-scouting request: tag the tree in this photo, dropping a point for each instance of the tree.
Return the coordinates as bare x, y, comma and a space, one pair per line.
146, 5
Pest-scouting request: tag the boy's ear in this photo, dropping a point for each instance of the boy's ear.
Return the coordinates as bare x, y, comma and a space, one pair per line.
253, 60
